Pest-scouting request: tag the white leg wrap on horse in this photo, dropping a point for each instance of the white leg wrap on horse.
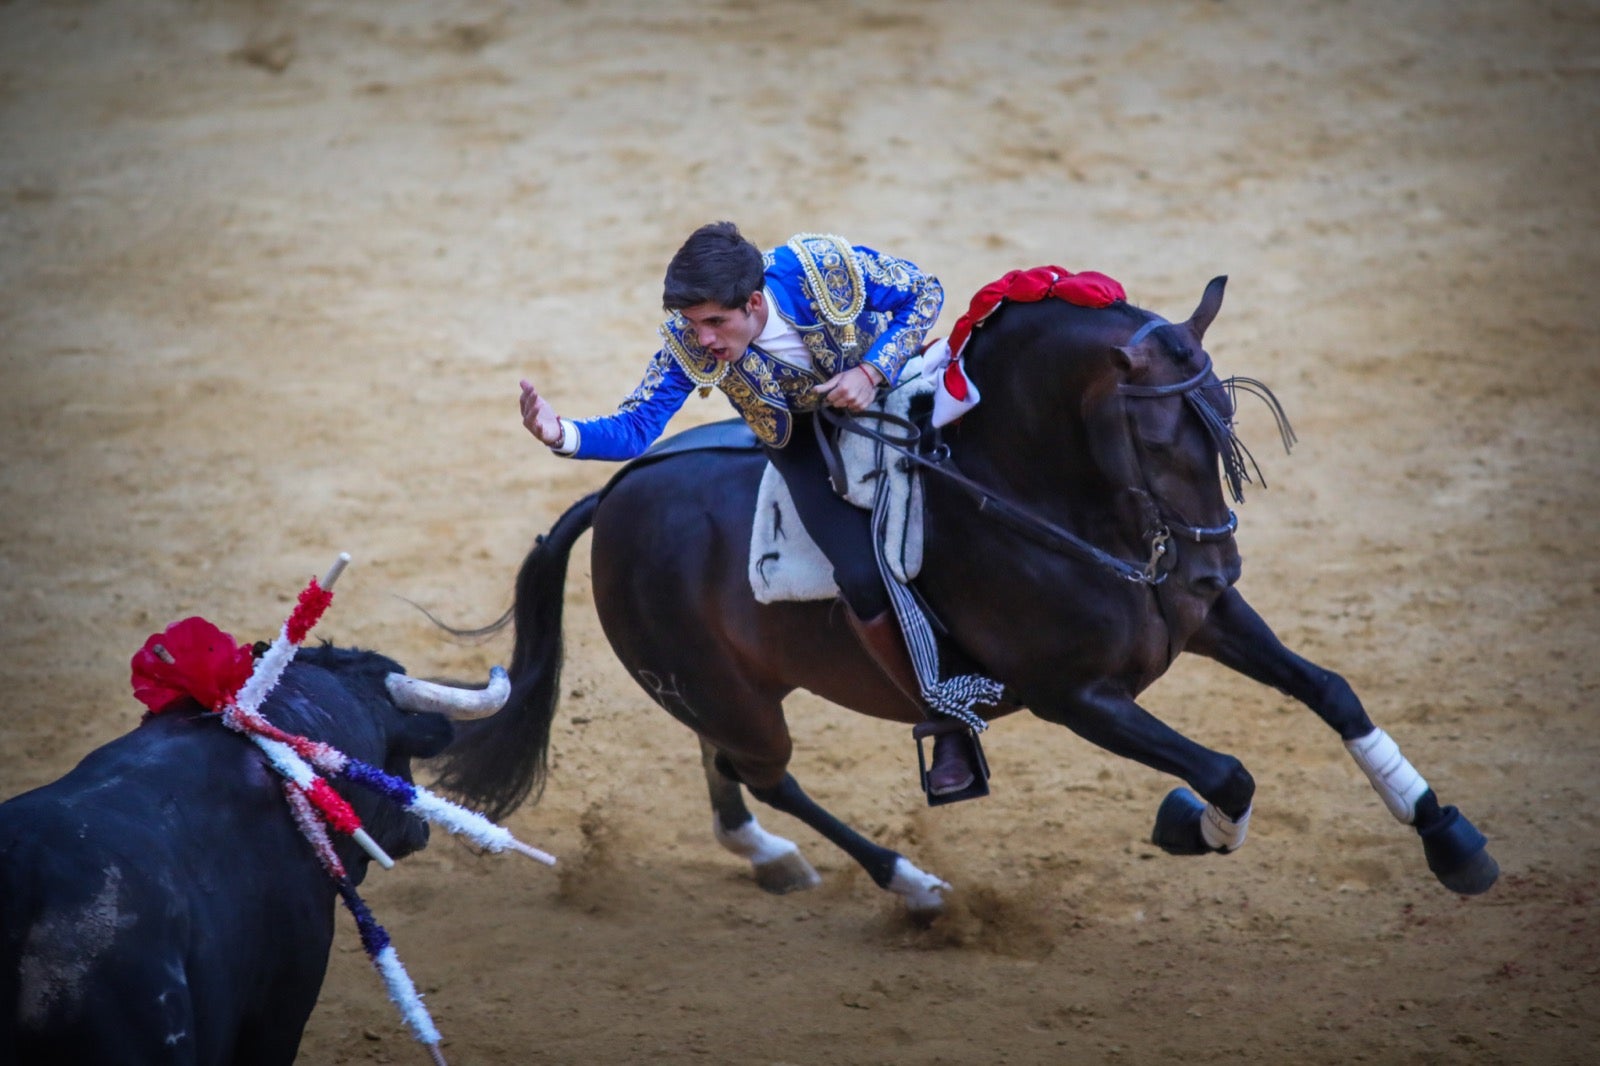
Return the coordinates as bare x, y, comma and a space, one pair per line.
922, 891
1391, 773
752, 842
1221, 832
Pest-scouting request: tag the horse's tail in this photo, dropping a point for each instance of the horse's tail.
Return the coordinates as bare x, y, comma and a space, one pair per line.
498, 762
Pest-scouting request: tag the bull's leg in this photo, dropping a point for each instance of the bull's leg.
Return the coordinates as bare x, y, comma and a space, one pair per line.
779, 866
922, 892
1237, 637
1185, 824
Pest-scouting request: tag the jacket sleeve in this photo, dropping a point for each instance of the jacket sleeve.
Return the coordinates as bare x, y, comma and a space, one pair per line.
909, 299
640, 418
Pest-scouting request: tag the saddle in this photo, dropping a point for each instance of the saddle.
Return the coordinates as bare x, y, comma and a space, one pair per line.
729, 435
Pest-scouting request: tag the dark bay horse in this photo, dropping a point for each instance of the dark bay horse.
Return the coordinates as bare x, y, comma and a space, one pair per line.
1080, 542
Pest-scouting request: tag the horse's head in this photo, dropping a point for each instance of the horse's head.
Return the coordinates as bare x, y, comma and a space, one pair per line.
1110, 421
1159, 422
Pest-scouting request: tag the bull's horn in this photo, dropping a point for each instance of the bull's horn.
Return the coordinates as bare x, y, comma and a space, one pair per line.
415, 694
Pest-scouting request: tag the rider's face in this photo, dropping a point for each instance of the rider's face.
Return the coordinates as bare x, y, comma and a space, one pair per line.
725, 332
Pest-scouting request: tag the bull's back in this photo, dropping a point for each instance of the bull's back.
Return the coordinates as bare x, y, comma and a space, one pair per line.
88, 971
133, 925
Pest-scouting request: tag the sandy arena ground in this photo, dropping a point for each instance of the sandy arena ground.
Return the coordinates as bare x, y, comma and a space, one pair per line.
269, 273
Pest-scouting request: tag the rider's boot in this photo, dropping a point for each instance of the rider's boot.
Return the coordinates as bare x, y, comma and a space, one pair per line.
952, 769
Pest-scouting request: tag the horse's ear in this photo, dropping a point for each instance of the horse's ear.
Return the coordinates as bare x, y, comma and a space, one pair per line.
1128, 360
1210, 304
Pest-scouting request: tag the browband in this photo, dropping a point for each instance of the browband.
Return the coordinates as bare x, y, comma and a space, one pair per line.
1144, 330
1168, 390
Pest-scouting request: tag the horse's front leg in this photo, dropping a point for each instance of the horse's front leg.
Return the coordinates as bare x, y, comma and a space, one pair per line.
1237, 637
1108, 717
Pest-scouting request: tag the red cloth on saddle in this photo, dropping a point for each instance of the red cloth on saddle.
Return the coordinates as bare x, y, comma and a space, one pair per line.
1086, 289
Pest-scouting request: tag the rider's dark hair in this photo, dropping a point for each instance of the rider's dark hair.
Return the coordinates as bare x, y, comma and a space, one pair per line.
716, 264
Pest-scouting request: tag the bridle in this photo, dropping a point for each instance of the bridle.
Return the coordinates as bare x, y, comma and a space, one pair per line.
1188, 389
1013, 516
1020, 519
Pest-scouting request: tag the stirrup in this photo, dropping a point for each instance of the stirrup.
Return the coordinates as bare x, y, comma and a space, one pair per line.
964, 734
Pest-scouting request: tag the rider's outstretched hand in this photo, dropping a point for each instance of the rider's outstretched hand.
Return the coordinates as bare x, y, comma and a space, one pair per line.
540, 418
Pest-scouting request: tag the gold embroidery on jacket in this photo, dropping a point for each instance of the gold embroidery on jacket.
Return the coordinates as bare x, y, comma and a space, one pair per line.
701, 366
762, 389
648, 386
834, 281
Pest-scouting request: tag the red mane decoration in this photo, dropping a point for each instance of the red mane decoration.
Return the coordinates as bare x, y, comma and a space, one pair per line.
1086, 289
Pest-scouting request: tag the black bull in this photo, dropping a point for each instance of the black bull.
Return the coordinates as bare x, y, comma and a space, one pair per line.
158, 903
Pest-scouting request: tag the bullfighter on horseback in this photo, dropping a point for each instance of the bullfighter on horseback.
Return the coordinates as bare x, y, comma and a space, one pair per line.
847, 320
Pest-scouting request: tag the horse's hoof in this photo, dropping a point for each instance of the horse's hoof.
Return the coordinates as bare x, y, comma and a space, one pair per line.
1177, 830
1458, 855
1477, 875
788, 873
922, 892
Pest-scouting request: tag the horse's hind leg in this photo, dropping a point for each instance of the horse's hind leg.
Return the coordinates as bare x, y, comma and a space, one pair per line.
779, 867
745, 741
1237, 637
923, 893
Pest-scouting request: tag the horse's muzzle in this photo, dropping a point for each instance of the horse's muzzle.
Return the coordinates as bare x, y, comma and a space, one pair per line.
1211, 574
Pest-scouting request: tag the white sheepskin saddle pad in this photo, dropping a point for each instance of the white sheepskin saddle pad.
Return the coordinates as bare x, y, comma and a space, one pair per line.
787, 565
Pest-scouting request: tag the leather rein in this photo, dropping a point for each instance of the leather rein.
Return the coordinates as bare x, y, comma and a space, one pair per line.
1016, 517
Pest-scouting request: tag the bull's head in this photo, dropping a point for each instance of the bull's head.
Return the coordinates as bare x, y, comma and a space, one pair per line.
365, 705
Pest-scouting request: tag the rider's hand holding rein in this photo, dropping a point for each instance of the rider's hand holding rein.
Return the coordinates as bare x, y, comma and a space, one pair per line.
540, 418
853, 389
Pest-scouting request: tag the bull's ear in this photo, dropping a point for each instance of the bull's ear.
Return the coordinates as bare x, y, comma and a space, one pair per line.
1210, 304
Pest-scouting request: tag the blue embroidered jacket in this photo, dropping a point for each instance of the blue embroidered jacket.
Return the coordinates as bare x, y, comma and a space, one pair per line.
849, 304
